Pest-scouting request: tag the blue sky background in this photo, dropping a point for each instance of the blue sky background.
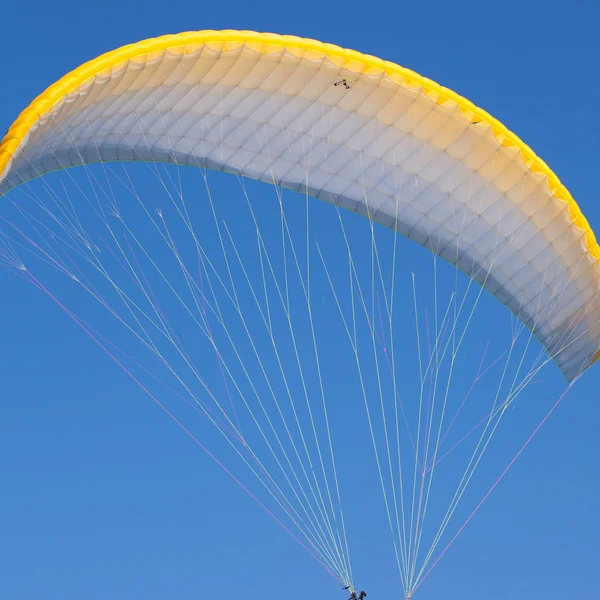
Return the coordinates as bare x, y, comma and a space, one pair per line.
102, 497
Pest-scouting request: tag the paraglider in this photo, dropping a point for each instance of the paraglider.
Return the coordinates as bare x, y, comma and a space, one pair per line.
354, 594
364, 135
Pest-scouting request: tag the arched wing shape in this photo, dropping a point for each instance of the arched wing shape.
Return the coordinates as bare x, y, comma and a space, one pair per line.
350, 129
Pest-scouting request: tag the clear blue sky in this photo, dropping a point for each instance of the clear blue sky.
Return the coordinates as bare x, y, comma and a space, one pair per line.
103, 498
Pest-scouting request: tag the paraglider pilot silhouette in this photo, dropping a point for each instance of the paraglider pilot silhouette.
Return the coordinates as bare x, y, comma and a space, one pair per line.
354, 595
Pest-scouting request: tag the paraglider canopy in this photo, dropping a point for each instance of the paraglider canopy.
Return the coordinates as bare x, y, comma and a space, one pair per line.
302, 114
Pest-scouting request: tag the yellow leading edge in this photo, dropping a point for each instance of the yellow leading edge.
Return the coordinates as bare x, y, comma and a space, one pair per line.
267, 43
